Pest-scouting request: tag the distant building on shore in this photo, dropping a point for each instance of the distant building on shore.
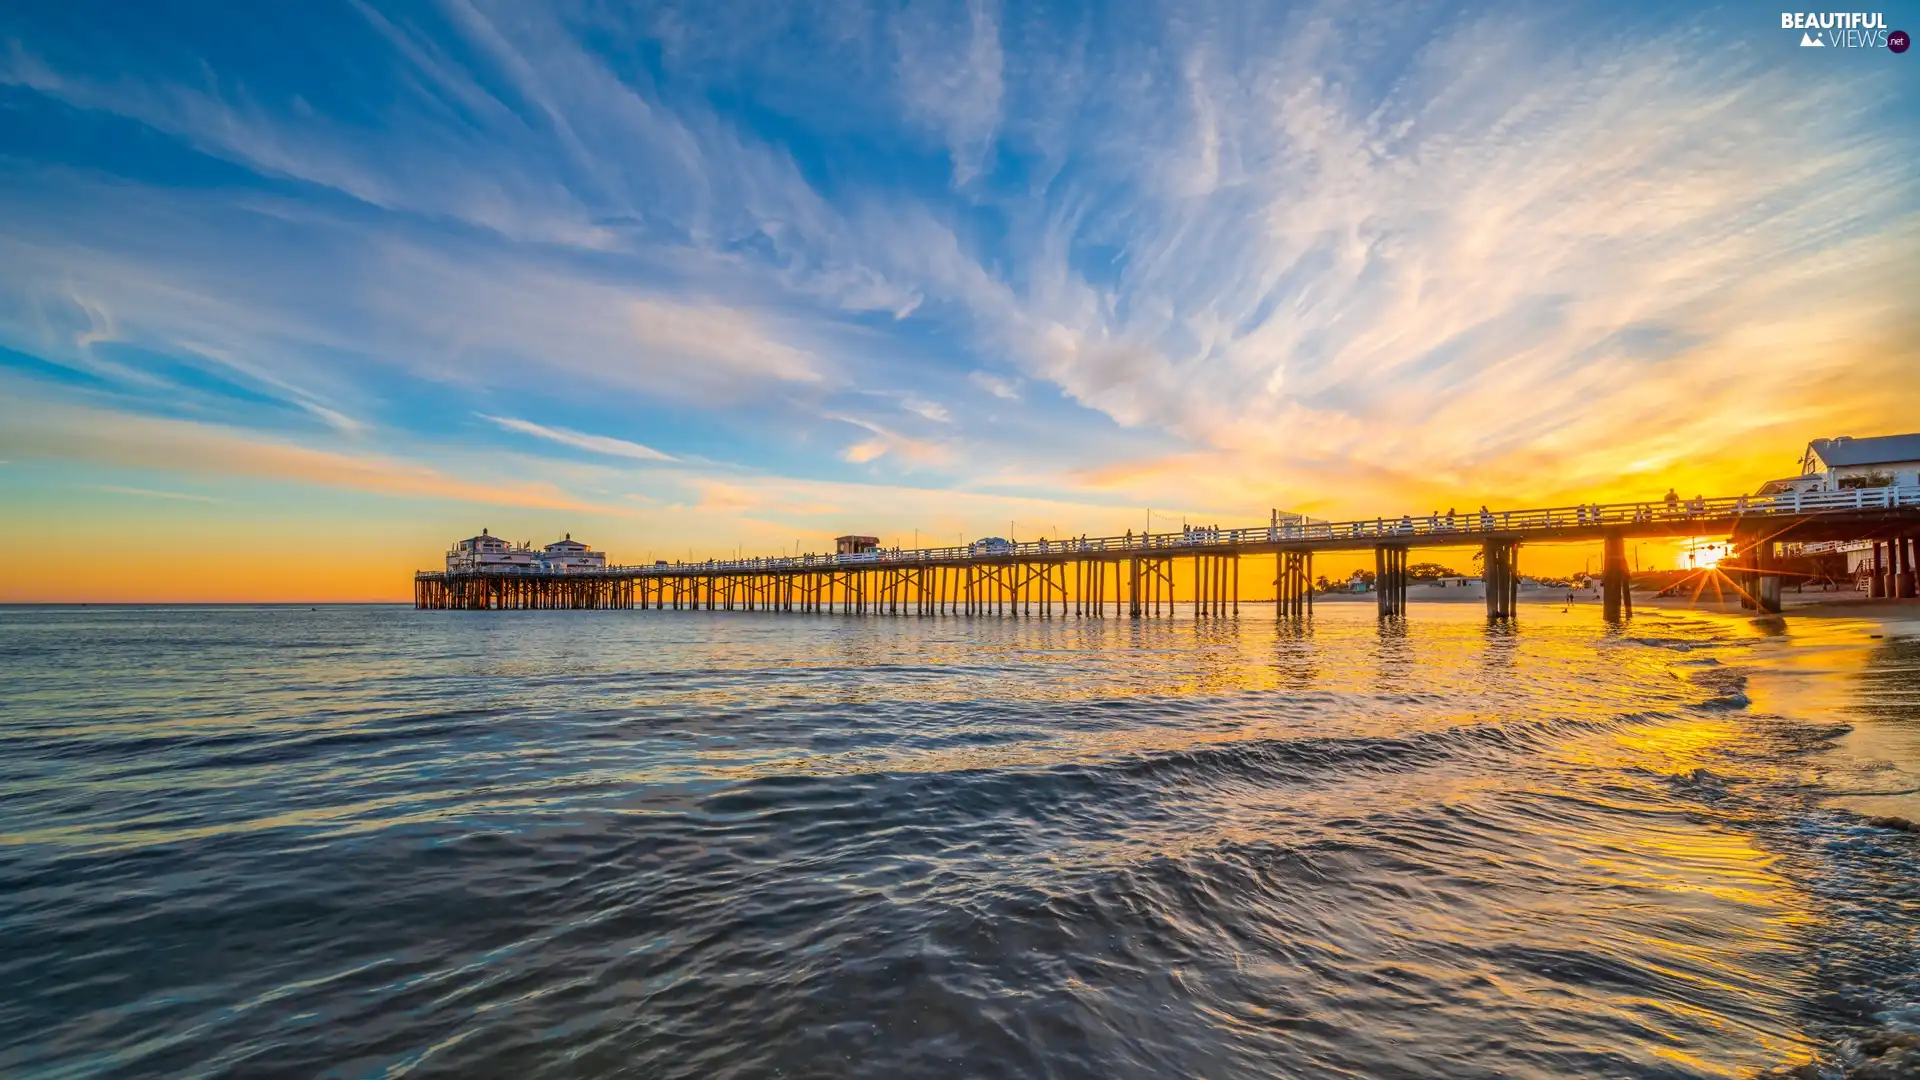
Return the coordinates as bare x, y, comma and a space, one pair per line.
491, 553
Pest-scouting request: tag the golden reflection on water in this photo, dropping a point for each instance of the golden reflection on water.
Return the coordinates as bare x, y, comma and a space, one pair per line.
1478, 821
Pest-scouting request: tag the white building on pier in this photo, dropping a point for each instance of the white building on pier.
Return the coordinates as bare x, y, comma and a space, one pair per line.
571, 556
1846, 462
1880, 461
487, 552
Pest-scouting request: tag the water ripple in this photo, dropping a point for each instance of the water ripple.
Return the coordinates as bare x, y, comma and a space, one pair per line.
368, 841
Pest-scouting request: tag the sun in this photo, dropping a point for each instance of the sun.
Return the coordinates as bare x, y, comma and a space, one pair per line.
1701, 552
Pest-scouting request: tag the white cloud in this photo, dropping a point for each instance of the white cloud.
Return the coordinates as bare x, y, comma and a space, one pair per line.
718, 335
864, 451
953, 86
887, 441
333, 418
1243, 241
998, 386
599, 444
136, 266
217, 451
1527, 236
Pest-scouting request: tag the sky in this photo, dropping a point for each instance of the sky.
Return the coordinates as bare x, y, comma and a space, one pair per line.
292, 296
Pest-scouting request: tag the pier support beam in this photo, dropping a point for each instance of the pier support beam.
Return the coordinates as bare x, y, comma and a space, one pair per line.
1390, 580
1293, 585
1907, 583
1766, 589
1616, 593
1501, 560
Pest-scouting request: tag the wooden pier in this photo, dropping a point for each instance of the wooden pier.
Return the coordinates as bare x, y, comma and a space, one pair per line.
1143, 575
522, 591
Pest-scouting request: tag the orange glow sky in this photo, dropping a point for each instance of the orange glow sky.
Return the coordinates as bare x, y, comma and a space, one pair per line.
283, 331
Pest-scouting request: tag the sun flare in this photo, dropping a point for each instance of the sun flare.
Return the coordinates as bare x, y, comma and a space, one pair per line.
1702, 552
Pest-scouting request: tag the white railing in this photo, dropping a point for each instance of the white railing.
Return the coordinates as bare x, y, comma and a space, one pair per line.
1386, 529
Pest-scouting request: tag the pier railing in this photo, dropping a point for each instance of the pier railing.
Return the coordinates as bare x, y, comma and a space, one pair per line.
1468, 526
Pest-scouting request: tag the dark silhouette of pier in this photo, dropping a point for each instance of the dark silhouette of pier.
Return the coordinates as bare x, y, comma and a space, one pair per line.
1135, 575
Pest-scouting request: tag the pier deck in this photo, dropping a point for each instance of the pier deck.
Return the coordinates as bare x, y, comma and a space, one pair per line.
1135, 574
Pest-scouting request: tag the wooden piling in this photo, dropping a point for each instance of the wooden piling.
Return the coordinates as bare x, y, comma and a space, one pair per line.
1615, 600
1766, 594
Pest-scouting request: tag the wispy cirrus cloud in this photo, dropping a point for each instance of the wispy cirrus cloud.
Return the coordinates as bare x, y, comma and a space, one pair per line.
1256, 254
599, 444
1523, 237
884, 441
150, 493
213, 451
949, 72
997, 385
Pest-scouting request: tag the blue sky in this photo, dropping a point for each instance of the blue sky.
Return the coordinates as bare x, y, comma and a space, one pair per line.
711, 274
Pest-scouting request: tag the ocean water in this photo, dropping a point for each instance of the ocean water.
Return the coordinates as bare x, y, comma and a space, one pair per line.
369, 841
